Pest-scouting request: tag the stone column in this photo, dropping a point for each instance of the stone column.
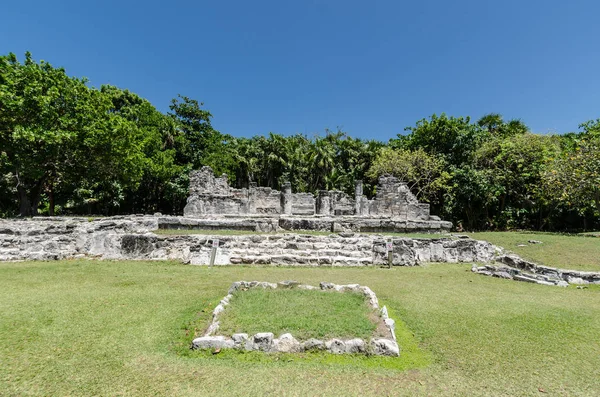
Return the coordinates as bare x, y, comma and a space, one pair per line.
286, 198
358, 197
324, 203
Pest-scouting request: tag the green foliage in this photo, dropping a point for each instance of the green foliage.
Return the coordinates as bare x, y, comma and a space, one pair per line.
59, 136
574, 176
453, 138
68, 148
496, 126
512, 168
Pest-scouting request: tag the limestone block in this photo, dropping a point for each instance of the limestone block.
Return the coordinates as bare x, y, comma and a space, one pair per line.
370, 295
356, 345
307, 287
287, 344
335, 346
288, 284
213, 328
262, 341
385, 347
384, 312
218, 310
239, 340
212, 342
313, 344
391, 324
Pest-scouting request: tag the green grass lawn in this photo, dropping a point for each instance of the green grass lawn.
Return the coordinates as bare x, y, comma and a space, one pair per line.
304, 314
124, 328
564, 251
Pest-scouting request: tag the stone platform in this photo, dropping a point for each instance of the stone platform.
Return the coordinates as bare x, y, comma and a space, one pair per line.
133, 237
280, 223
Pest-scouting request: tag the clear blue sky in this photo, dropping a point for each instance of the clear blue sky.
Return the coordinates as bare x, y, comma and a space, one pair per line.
371, 68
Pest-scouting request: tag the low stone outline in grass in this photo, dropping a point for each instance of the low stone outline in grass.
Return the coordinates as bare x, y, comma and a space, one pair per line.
286, 343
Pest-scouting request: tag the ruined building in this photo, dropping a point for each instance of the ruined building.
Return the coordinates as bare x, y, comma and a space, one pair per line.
394, 207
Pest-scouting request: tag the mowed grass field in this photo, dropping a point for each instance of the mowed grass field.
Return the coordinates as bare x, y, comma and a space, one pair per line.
305, 314
124, 328
575, 252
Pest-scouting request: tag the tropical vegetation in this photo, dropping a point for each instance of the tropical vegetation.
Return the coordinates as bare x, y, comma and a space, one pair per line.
69, 148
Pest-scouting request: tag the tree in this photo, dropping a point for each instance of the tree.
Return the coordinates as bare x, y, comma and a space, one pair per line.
453, 138
573, 177
195, 132
513, 167
43, 111
56, 133
496, 126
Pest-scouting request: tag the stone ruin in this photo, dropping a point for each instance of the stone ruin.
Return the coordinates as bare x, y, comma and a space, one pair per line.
132, 238
394, 207
286, 343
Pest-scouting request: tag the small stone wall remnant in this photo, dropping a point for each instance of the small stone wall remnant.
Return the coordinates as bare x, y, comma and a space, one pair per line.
286, 343
513, 267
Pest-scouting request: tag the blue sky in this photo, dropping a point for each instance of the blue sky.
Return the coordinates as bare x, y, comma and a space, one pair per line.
370, 68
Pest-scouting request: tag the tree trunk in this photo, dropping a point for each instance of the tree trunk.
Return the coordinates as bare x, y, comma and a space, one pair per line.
24, 203
51, 200
28, 204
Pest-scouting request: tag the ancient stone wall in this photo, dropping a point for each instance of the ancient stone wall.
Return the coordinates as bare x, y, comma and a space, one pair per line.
131, 237
263, 200
303, 204
394, 199
213, 196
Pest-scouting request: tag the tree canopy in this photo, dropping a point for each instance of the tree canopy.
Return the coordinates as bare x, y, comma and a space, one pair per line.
69, 148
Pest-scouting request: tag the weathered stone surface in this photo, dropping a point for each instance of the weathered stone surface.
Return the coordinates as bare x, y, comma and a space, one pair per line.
131, 238
213, 328
286, 343
262, 341
219, 309
370, 295
307, 287
519, 269
385, 347
239, 340
391, 324
313, 344
212, 342
355, 346
288, 284
335, 346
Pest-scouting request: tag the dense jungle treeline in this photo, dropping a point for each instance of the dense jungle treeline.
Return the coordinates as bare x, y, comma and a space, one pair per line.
67, 148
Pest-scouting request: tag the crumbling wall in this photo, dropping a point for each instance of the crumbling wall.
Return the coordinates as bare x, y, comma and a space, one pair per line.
203, 182
342, 203
303, 204
210, 195
394, 199
263, 200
